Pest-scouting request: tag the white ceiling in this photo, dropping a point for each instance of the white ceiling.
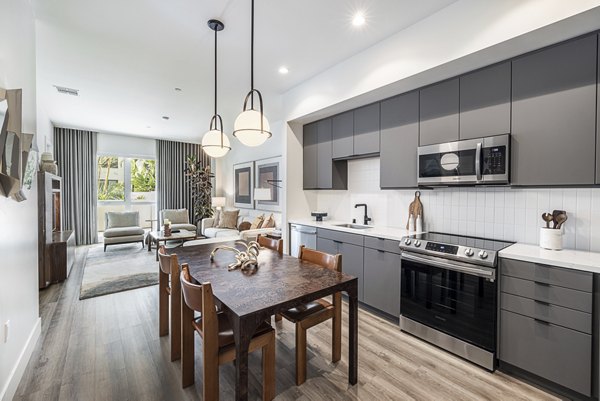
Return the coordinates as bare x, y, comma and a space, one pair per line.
126, 57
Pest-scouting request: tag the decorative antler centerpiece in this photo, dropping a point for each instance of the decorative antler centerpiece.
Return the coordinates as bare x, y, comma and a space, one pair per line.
246, 261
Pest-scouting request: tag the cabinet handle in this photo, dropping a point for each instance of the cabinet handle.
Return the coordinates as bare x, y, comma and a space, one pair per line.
542, 283
379, 250
337, 242
537, 301
544, 322
381, 239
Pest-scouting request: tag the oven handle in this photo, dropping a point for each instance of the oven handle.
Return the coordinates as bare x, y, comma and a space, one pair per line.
478, 161
456, 266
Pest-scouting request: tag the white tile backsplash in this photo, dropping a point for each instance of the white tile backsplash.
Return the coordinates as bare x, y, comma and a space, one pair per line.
495, 212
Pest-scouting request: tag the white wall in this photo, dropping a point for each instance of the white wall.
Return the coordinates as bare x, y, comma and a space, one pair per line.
500, 213
18, 221
126, 145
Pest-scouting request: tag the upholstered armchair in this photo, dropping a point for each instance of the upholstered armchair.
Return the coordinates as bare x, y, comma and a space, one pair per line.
122, 228
180, 219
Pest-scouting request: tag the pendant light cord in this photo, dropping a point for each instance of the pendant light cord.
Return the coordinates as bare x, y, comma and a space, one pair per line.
252, 57
215, 73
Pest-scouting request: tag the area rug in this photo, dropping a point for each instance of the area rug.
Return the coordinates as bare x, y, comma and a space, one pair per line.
120, 268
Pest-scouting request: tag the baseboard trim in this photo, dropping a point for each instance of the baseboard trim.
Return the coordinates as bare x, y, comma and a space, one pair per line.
10, 388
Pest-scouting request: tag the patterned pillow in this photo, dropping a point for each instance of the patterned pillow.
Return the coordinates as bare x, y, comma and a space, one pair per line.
228, 219
269, 223
258, 221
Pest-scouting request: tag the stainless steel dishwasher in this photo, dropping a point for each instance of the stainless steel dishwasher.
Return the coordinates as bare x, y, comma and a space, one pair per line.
302, 235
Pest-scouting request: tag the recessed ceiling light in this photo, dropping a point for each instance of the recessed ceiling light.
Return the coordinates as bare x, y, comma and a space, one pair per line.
177, 89
165, 117
283, 70
359, 19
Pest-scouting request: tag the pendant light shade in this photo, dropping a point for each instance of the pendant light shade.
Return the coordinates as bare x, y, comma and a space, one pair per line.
251, 126
215, 142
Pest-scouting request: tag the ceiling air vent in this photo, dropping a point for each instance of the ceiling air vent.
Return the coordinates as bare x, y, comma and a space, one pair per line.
67, 91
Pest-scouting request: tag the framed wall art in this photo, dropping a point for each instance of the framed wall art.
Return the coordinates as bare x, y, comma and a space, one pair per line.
268, 175
243, 177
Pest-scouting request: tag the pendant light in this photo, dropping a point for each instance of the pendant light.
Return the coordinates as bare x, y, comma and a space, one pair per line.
251, 127
215, 143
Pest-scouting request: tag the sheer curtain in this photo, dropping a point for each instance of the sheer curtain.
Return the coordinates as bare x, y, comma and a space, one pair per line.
75, 154
173, 190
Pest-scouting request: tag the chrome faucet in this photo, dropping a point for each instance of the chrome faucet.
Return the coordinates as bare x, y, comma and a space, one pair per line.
366, 218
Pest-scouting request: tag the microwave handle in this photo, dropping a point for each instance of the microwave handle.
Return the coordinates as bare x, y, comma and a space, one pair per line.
478, 161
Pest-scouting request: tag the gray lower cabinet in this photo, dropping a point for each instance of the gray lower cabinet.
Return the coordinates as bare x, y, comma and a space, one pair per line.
324, 154
382, 280
598, 120
399, 141
545, 325
438, 109
485, 102
328, 246
343, 135
366, 130
554, 115
310, 156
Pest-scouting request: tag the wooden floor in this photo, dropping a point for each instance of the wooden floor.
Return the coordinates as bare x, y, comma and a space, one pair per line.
108, 348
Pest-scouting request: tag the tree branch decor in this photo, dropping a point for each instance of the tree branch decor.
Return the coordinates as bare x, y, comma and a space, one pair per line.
199, 179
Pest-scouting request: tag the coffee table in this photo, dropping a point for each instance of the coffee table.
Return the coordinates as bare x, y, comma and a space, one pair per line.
157, 236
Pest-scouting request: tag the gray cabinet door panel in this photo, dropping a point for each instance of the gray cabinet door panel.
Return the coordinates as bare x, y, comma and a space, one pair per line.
340, 236
352, 264
554, 115
327, 245
555, 353
399, 141
324, 155
382, 281
382, 244
343, 135
438, 113
577, 280
366, 130
578, 300
598, 119
485, 102
310, 156
558, 315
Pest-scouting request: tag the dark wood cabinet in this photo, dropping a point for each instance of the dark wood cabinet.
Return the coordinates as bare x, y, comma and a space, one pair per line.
310, 156
485, 102
399, 141
438, 110
554, 115
343, 135
366, 130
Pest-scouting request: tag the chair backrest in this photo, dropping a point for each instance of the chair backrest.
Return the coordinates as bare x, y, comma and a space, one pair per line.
199, 297
121, 219
274, 244
166, 261
177, 216
333, 262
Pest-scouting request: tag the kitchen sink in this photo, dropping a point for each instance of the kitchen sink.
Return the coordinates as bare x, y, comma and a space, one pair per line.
354, 226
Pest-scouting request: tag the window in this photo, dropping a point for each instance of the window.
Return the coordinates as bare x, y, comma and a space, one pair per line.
111, 178
128, 180
143, 180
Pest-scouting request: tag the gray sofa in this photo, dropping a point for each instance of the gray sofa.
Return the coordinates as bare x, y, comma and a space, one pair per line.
122, 228
180, 219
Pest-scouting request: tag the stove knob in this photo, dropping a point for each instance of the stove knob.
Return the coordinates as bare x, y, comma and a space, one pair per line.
417, 243
407, 241
483, 254
469, 252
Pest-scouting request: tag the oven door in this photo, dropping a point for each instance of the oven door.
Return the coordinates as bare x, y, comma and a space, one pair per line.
450, 163
460, 302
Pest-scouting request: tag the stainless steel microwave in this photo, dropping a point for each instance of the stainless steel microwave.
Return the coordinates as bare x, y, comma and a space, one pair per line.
472, 161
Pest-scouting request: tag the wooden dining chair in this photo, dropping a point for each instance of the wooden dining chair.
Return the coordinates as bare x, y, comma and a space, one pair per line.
218, 346
310, 314
274, 244
169, 287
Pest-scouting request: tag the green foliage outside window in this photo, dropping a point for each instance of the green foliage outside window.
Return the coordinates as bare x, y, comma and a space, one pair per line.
143, 175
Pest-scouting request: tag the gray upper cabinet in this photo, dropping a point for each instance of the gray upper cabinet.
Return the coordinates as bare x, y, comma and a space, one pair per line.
485, 102
598, 120
554, 115
310, 156
399, 141
366, 130
343, 135
324, 154
438, 110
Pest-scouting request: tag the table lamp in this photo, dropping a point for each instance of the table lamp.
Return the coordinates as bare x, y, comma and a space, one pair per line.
218, 202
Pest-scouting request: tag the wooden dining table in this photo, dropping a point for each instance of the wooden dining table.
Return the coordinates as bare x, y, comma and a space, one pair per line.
280, 283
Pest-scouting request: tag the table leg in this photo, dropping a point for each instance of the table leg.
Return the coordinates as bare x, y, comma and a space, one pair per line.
158, 246
243, 330
353, 335
149, 239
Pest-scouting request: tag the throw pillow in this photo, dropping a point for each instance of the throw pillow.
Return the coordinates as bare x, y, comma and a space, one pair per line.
258, 221
228, 219
244, 225
217, 218
269, 223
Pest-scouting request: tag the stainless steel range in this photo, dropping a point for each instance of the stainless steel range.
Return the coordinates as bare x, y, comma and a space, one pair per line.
449, 293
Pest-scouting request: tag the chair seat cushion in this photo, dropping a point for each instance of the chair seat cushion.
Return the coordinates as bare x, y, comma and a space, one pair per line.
226, 332
122, 231
303, 311
184, 226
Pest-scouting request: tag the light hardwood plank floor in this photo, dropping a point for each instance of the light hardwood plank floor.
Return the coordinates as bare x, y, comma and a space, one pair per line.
108, 348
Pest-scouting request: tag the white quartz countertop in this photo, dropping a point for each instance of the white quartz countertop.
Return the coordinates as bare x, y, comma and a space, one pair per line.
567, 258
393, 233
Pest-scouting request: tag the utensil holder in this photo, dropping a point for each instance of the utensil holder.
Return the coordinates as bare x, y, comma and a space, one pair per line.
551, 238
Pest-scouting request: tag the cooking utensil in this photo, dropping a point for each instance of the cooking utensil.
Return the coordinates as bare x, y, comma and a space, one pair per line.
547, 217
556, 213
560, 219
